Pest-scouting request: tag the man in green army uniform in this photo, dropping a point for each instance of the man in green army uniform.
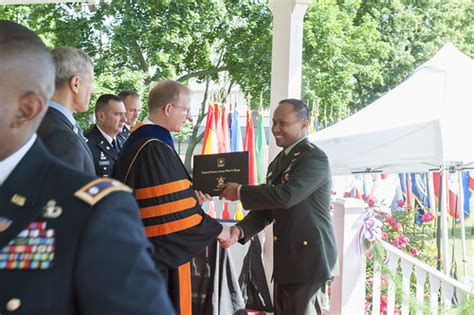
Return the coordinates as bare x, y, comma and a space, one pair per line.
296, 199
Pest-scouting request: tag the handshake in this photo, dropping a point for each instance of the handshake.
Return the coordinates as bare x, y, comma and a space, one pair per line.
229, 236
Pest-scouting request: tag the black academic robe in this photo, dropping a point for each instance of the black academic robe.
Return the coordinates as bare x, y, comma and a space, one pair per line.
173, 219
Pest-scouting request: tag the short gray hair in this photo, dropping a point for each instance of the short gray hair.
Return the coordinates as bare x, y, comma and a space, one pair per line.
70, 62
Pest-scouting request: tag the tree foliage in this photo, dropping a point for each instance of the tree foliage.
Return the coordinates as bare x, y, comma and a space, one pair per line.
354, 50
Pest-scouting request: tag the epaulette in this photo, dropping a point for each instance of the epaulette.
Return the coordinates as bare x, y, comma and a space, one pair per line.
97, 189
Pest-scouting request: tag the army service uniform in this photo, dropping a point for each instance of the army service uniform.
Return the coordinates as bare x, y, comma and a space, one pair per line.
72, 244
103, 152
296, 199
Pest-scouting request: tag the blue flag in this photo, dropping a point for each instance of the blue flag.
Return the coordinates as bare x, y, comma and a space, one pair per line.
236, 143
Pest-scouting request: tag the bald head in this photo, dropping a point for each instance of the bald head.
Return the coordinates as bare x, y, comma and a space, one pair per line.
26, 84
25, 63
165, 92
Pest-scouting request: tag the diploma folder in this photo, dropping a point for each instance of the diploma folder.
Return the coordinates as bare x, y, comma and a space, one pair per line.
211, 170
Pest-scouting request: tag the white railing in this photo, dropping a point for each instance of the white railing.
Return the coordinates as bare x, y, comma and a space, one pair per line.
348, 293
442, 288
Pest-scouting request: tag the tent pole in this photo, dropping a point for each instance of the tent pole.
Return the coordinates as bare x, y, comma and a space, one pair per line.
431, 194
438, 225
463, 230
444, 219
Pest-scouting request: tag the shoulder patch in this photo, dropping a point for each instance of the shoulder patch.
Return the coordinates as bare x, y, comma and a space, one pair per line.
97, 189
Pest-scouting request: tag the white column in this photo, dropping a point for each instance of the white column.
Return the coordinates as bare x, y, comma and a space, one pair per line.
348, 288
287, 49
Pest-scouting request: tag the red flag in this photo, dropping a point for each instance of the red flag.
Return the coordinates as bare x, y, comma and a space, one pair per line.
454, 206
225, 128
219, 132
209, 143
249, 145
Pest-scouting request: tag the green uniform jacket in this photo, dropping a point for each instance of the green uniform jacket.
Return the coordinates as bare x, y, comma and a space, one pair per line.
296, 199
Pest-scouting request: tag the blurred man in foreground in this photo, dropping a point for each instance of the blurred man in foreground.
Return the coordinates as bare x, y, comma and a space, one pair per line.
69, 243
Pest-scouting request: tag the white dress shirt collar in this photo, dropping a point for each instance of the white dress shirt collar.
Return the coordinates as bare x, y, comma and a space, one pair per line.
8, 165
106, 136
287, 150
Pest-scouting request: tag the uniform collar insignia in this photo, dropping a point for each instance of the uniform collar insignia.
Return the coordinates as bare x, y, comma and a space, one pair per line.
18, 200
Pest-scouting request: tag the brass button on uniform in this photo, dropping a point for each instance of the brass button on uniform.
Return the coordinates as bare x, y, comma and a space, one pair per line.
305, 243
13, 304
275, 238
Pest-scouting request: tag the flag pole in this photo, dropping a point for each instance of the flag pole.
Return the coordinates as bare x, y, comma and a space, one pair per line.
463, 230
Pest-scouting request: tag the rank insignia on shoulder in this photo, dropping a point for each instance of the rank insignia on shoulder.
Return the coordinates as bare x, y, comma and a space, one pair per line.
94, 191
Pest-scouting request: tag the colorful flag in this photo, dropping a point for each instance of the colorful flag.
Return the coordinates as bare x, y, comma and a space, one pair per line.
209, 145
420, 195
239, 215
235, 133
468, 187
218, 117
260, 143
225, 128
405, 185
454, 204
452, 187
249, 146
398, 201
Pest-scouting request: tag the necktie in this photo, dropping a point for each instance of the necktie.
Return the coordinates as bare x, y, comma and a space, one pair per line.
115, 145
78, 130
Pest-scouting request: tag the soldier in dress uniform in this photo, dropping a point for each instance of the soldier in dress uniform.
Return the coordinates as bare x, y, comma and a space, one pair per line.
69, 243
296, 200
59, 131
104, 141
133, 106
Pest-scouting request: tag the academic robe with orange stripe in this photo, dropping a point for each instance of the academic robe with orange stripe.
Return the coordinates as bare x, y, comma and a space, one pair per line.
173, 220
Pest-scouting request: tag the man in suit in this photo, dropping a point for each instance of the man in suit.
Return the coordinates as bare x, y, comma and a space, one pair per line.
104, 142
131, 99
59, 131
60, 249
296, 199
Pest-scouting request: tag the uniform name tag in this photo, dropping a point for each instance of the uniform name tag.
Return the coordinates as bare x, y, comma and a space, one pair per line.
102, 163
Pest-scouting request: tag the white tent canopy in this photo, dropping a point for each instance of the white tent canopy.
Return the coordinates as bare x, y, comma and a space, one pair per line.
425, 121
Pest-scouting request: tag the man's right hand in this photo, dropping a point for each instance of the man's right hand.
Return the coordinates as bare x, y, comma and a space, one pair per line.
232, 239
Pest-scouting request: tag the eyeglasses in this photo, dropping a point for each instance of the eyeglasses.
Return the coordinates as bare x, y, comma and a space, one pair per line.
188, 110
